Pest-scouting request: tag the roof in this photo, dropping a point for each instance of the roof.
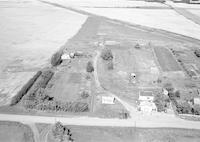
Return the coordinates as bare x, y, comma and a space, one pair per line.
146, 93
108, 100
196, 100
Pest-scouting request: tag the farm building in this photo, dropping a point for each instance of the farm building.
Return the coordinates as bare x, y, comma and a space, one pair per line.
108, 100
146, 96
197, 101
147, 107
65, 57
146, 103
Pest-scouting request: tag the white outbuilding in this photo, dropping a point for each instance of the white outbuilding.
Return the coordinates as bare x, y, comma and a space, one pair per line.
65, 56
108, 100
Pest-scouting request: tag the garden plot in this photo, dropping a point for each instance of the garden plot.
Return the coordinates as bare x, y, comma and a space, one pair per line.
166, 59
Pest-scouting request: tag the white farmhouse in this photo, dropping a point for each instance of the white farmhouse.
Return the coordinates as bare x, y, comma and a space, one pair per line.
146, 104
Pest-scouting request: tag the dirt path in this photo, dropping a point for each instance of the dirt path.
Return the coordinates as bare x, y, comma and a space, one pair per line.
35, 131
44, 134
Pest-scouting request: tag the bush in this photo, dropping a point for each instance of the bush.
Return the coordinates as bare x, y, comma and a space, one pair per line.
137, 46
25, 89
84, 94
177, 94
61, 132
169, 87
161, 102
196, 109
56, 58
89, 67
106, 54
184, 108
197, 52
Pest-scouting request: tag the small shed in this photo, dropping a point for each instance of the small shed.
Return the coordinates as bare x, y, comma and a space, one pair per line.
65, 56
146, 96
108, 100
197, 101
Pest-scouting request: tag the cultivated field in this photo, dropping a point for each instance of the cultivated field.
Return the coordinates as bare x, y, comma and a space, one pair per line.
30, 33
166, 59
168, 19
15, 132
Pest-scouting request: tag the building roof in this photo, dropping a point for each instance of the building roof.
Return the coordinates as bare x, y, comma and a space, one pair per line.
146, 93
108, 100
196, 100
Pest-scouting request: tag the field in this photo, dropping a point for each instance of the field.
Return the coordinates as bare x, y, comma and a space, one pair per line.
117, 134
15, 132
30, 34
168, 19
166, 59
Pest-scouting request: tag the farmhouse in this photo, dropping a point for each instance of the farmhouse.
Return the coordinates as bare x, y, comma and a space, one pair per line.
146, 96
146, 103
147, 107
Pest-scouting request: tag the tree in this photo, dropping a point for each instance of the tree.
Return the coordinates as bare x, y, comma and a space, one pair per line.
56, 59
197, 52
196, 109
183, 107
137, 46
89, 67
106, 54
169, 87
177, 94
161, 102
58, 131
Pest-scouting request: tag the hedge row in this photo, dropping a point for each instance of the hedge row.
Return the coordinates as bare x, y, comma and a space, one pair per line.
53, 105
25, 89
41, 83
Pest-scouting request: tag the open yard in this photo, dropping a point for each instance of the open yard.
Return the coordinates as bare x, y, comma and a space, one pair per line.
166, 59
15, 132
